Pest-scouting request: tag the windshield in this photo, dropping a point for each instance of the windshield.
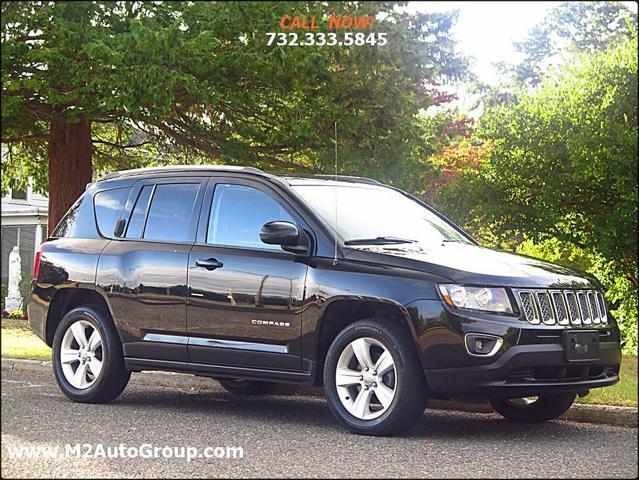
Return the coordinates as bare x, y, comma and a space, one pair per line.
371, 215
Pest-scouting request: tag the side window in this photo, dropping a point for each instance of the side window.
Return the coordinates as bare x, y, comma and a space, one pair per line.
136, 223
171, 211
238, 213
67, 225
108, 208
79, 221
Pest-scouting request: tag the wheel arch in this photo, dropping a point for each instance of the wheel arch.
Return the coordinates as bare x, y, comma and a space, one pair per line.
66, 299
341, 312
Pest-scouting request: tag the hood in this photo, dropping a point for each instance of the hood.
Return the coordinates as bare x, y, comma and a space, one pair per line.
473, 265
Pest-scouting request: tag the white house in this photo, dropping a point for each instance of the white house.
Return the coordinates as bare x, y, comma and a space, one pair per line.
23, 221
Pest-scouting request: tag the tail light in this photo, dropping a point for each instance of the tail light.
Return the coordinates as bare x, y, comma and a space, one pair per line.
36, 261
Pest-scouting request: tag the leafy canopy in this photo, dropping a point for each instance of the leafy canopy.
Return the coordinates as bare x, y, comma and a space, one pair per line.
197, 81
569, 28
562, 161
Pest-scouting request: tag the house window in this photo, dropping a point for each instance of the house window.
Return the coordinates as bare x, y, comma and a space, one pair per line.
18, 194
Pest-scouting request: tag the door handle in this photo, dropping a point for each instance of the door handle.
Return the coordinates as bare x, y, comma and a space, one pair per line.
209, 263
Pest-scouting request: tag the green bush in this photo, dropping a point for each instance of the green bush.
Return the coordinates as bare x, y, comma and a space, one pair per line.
25, 289
3, 294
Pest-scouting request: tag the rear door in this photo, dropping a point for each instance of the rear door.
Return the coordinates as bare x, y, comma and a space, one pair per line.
144, 272
245, 297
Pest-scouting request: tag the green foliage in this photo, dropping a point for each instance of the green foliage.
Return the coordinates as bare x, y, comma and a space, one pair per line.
623, 393
4, 290
563, 162
199, 81
622, 297
568, 30
557, 178
572, 27
25, 288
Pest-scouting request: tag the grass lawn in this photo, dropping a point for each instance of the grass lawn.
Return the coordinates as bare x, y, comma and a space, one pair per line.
19, 342
623, 393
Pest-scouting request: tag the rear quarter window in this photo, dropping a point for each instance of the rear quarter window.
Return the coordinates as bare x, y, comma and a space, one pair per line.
79, 222
108, 208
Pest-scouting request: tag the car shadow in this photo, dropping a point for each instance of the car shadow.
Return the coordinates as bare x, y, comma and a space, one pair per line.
314, 412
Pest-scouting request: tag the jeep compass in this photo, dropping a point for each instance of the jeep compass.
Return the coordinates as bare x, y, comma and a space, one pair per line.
253, 279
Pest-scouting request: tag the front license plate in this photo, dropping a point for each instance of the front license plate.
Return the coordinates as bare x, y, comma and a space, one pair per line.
582, 345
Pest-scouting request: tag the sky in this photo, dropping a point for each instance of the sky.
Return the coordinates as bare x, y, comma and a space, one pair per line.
486, 30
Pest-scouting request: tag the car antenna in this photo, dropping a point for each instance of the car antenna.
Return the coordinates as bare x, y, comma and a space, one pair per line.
335, 260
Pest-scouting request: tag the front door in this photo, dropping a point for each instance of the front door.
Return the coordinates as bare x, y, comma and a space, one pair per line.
244, 296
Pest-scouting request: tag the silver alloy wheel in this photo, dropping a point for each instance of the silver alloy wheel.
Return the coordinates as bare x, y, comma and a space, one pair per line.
81, 356
522, 402
366, 378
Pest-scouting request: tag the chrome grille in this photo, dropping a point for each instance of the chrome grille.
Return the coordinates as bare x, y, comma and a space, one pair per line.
586, 319
602, 308
594, 308
547, 314
559, 302
528, 307
573, 308
562, 307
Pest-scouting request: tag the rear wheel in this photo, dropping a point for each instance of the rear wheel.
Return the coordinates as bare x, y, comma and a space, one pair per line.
240, 386
87, 357
373, 379
534, 409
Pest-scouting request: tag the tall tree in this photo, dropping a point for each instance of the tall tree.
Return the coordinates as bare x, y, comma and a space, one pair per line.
80, 80
562, 162
569, 28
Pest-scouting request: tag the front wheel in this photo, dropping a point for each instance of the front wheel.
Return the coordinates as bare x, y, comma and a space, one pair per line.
534, 409
373, 379
87, 357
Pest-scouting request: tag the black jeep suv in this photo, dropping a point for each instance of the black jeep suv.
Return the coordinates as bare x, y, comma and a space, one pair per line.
253, 279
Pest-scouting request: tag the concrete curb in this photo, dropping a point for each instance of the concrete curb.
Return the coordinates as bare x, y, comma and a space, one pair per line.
600, 414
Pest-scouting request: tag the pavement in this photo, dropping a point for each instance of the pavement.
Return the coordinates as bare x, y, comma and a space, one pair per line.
286, 436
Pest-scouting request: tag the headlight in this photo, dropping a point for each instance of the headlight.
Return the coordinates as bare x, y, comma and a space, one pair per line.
476, 298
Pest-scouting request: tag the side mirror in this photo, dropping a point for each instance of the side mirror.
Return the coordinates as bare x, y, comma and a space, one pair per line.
280, 233
287, 235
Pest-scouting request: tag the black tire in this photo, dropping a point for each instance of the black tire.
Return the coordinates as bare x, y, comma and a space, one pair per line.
113, 376
240, 386
546, 407
411, 391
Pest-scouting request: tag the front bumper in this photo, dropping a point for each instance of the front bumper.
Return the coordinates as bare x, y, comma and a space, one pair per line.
531, 360
529, 370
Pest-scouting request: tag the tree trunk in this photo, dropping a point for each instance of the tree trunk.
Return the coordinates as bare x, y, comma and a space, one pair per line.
70, 167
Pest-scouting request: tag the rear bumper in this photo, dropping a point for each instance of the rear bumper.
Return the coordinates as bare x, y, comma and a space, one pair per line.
529, 370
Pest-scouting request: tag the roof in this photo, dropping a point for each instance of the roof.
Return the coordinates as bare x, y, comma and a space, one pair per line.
328, 179
289, 178
182, 168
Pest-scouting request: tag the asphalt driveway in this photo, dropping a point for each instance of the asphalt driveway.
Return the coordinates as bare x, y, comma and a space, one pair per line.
288, 436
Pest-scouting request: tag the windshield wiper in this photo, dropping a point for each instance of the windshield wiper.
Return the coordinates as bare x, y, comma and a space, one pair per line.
378, 241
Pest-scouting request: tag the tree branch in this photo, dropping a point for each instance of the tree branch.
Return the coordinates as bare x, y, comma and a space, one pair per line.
22, 138
116, 145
